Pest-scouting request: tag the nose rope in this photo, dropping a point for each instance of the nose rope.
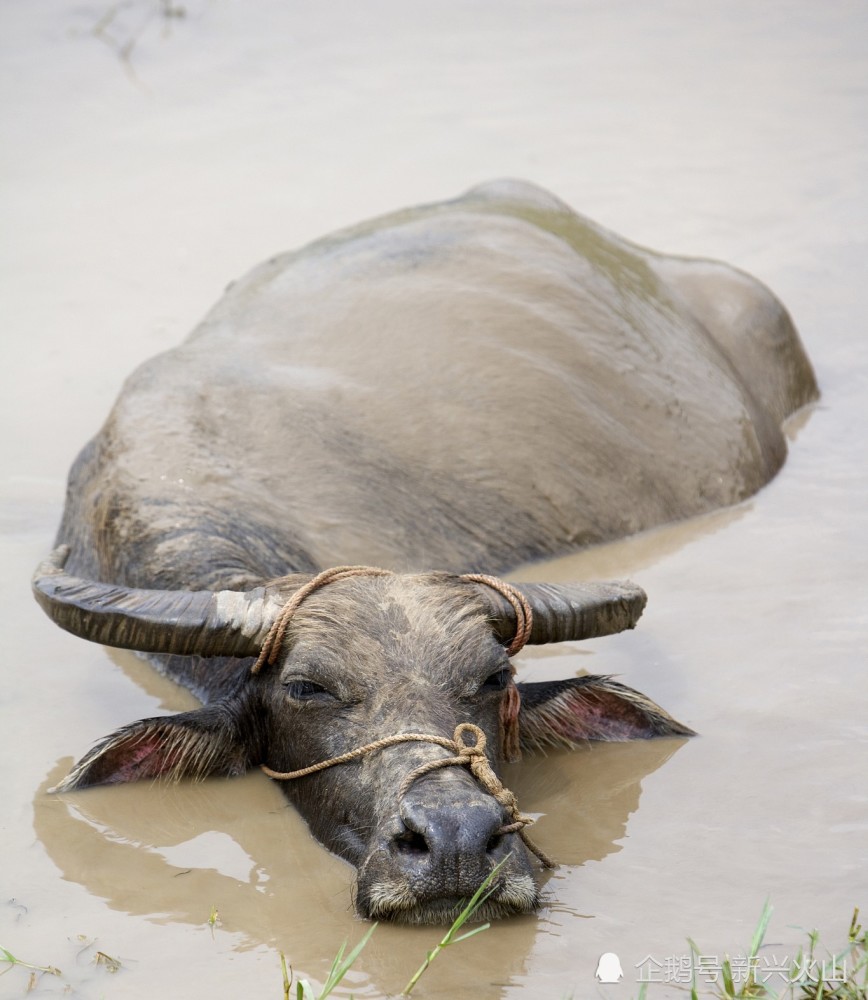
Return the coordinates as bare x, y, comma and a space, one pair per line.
471, 755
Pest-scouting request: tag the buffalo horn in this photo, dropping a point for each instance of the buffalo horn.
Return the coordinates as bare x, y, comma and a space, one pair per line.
235, 623
565, 611
221, 623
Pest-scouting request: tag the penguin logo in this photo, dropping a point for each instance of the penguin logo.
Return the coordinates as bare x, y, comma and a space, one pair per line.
609, 968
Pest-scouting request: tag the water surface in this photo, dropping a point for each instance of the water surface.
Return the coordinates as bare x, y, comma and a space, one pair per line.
148, 162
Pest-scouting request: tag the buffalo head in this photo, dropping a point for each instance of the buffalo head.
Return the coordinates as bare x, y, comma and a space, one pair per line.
362, 659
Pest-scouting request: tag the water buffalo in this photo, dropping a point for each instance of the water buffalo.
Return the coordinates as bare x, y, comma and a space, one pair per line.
456, 388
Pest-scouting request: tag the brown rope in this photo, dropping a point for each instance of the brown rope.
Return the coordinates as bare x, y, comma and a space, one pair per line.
471, 755
520, 604
274, 639
345, 758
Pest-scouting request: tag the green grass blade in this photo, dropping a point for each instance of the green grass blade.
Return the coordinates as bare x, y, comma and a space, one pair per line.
726, 975
341, 966
761, 928
336, 962
694, 952
287, 976
476, 900
12, 960
469, 934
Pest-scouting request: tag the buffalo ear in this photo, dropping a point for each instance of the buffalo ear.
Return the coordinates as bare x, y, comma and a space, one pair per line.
564, 713
194, 744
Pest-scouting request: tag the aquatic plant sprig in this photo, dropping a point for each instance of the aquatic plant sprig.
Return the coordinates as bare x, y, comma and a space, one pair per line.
340, 967
750, 987
476, 900
7, 956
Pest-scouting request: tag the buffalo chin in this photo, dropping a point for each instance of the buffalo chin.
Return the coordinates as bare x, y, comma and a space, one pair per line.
398, 904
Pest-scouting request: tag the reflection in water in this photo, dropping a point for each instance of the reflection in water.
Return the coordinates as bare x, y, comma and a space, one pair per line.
587, 795
118, 841
171, 696
141, 848
135, 846
733, 133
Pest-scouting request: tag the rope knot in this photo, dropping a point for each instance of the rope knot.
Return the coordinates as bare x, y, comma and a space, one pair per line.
475, 757
469, 750
473, 754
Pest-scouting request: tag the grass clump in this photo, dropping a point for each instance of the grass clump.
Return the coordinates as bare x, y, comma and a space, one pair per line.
750, 987
814, 974
834, 976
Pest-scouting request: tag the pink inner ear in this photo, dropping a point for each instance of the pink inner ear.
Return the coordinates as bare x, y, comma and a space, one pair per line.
135, 765
191, 745
563, 713
599, 714
145, 756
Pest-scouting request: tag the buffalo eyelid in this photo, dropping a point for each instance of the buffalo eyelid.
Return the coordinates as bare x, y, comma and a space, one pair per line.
302, 689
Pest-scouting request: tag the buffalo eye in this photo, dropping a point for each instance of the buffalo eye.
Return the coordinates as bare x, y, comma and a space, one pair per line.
303, 690
498, 680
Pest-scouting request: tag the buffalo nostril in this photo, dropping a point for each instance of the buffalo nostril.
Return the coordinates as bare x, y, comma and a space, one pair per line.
411, 842
493, 843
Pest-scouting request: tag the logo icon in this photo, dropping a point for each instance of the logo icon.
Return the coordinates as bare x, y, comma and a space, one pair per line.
609, 968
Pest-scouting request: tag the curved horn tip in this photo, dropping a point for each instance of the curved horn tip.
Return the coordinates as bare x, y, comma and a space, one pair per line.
633, 591
53, 563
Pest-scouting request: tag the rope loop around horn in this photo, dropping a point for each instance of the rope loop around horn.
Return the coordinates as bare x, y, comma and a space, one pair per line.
274, 639
520, 604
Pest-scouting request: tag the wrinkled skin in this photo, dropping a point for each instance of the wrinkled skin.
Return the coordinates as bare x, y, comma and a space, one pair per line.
352, 402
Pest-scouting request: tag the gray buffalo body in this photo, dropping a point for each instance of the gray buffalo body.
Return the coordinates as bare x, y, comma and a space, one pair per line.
460, 387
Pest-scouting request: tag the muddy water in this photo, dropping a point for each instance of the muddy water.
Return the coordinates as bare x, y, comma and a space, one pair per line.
147, 162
